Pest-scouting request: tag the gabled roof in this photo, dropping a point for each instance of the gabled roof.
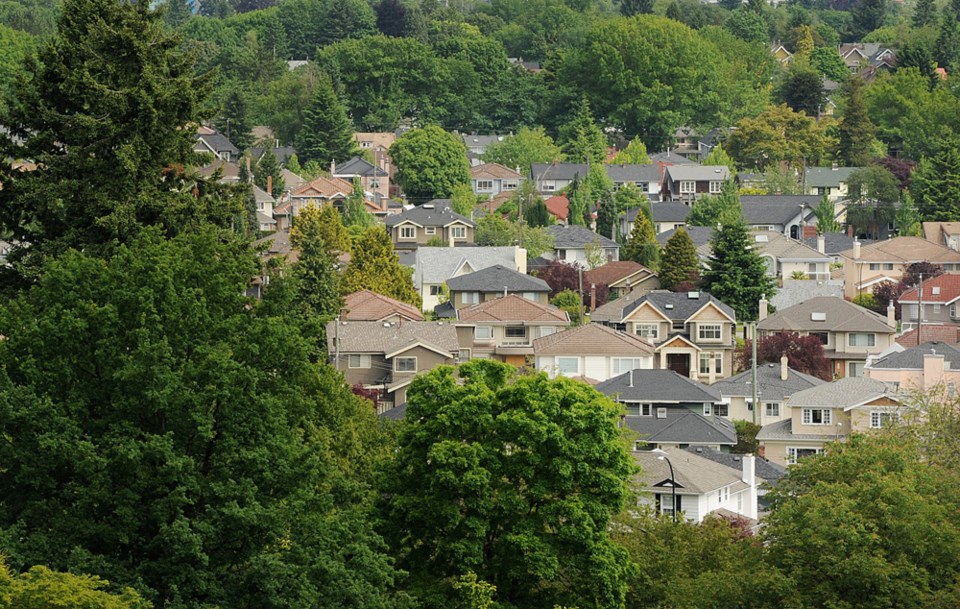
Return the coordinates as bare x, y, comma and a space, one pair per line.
769, 384
497, 278
657, 387
838, 316
904, 250
436, 265
376, 337
834, 243
366, 305
633, 173
767, 210
473, 139
218, 143
783, 430
558, 171
765, 470
592, 339
694, 474
429, 214
677, 306
912, 359
612, 272
669, 159
682, 426
668, 212
820, 177
382, 139
513, 308
358, 166
229, 172
494, 171
326, 188
558, 206
577, 237
845, 393
935, 231
781, 247
943, 290
283, 153
698, 173
262, 196
700, 235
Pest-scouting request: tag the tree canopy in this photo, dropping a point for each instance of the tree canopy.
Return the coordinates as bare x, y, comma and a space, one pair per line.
736, 274
430, 163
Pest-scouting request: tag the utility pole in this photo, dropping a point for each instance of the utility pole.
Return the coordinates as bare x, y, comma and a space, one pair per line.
580, 273
753, 350
919, 309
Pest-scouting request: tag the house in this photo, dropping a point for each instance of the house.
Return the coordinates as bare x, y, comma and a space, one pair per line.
692, 332
387, 356
283, 153
622, 277
867, 57
505, 328
559, 208
645, 177
571, 243
943, 233
924, 368
786, 257
317, 192
433, 221
490, 179
785, 214
686, 143
366, 305
551, 178
229, 173
492, 283
780, 53
592, 351
665, 217
668, 158
264, 202
933, 302
686, 183
477, 145
831, 181
828, 413
833, 244
375, 181
699, 486
768, 473
435, 266
948, 334
775, 384
864, 266
211, 142
849, 333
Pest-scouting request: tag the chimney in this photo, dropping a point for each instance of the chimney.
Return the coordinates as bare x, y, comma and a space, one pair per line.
784, 371
749, 476
631, 377
835, 166
933, 365
593, 297
856, 250
850, 230
333, 168
762, 309
451, 239
270, 185
821, 244
891, 315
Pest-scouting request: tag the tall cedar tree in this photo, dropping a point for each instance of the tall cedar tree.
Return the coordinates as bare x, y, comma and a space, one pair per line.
318, 278
430, 162
326, 135
642, 246
680, 262
949, 39
101, 113
269, 167
868, 15
629, 8
924, 14
737, 275
390, 17
856, 130
355, 209
936, 184
537, 215
375, 266
578, 195
582, 139
608, 215
234, 120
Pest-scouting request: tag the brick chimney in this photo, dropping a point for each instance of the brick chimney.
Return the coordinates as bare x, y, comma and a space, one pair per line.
593, 297
270, 185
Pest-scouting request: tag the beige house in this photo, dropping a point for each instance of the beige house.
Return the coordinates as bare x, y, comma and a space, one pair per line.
828, 413
490, 179
492, 283
849, 333
505, 328
831, 181
593, 352
622, 277
864, 266
430, 221
366, 305
943, 233
785, 257
775, 384
923, 368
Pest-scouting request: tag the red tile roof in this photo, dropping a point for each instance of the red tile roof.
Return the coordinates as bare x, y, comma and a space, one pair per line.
367, 305
559, 207
941, 333
943, 289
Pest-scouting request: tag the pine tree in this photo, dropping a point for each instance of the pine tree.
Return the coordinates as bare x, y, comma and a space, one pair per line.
608, 215
578, 194
856, 129
736, 274
318, 279
326, 134
924, 13
868, 15
234, 120
375, 266
949, 39
582, 139
680, 262
269, 167
391, 15
537, 215
642, 246
354, 208
629, 8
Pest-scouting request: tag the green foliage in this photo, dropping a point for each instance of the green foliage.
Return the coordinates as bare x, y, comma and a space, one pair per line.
634, 154
856, 130
355, 209
629, 8
322, 224
581, 139
595, 254
748, 25
547, 450
578, 195
746, 437
269, 167
642, 246
924, 14
41, 588
736, 274
719, 156
375, 266
799, 275
15, 47
326, 135
569, 301
936, 184
319, 237
495, 230
826, 213
802, 89
874, 193
907, 218
537, 215
537, 240
680, 261
867, 301
234, 121
711, 210
868, 15
778, 135
827, 61
430, 162
608, 216
528, 146
310, 24
463, 200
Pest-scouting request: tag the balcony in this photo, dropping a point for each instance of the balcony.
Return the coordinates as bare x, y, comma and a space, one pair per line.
515, 346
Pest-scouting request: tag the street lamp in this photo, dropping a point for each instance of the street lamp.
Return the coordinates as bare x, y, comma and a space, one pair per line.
662, 455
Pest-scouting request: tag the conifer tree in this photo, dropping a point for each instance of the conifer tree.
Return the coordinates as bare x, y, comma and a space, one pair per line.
375, 266
680, 262
608, 215
318, 279
642, 246
268, 167
326, 135
924, 13
354, 209
856, 129
581, 139
579, 197
736, 274
537, 215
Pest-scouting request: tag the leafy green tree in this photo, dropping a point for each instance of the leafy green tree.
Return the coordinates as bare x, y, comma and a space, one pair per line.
578, 195
15, 46
874, 193
571, 302
495, 230
463, 200
680, 262
826, 213
856, 129
735, 273
269, 167
430, 162
180, 433
629, 8
802, 90
528, 146
375, 266
829, 64
318, 278
778, 135
608, 216
390, 17
936, 184
907, 218
748, 25
537, 240
324, 224
327, 134
642, 247
711, 210
41, 588
946, 46
634, 154
355, 209
582, 139
719, 156
343, 19
629, 196
594, 253
924, 14
482, 431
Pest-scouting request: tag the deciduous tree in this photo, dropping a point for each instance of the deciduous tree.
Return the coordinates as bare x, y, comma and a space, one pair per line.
375, 266
528, 146
40, 588
778, 135
430, 162
634, 154
804, 353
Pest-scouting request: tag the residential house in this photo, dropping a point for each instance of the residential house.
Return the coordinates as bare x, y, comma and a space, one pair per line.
592, 352
433, 221
571, 243
828, 413
665, 217
211, 142
867, 57
551, 178
831, 181
559, 208
491, 283
319, 192
378, 145
786, 257
833, 244
387, 356
785, 214
505, 328
849, 333
228, 173
948, 334
367, 305
943, 233
686, 183
264, 202
622, 277
696, 487
686, 143
477, 145
375, 181
668, 158
768, 473
645, 177
692, 332
490, 179
701, 237
435, 266
283, 153
864, 266
934, 302
780, 53
775, 384
930, 367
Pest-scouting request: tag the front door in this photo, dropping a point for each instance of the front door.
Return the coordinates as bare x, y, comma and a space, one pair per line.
679, 363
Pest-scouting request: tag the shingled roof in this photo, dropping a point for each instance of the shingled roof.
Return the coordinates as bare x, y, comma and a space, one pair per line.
497, 278
677, 306
771, 387
912, 359
694, 474
367, 305
680, 425
513, 308
577, 237
428, 215
826, 314
592, 339
844, 393
376, 337
658, 387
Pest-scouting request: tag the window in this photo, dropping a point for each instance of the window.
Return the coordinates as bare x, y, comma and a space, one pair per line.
646, 330
823, 336
708, 331
874, 266
771, 409
812, 268
430, 230
568, 365
936, 308
707, 409
516, 332
366, 144
646, 410
463, 355
887, 266
855, 368
458, 232
408, 232
794, 454
859, 339
643, 186
530, 296
953, 310
562, 254
483, 332
470, 297
259, 205
679, 325
714, 187
626, 364
405, 364
547, 330
510, 185
436, 290
484, 184
717, 363
661, 413
688, 187
721, 410
359, 361
817, 416
880, 419
549, 186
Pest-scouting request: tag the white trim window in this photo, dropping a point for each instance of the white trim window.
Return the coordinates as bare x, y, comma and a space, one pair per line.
470, 297
646, 410
717, 363
707, 409
358, 360
483, 333
408, 232
688, 187
715, 187
430, 230
795, 454
651, 331
458, 232
711, 332
404, 364
771, 409
547, 330
721, 410
511, 184
880, 419
484, 185
861, 339
622, 365
568, 365
817, 416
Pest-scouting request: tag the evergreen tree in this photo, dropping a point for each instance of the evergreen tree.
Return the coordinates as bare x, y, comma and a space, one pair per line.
391, 15
826, 213
936, 184
908, 218
318, 279
642, 246
856, 129
536, 215
581, 139
177, 13
326, 134
578, 195
868, 15
269, 167
674, 11
948, 42
234, 120
629, 8
719, 156
608, 215
680, 262
354, 208
924, 13
802, 90
736, 274
375, 266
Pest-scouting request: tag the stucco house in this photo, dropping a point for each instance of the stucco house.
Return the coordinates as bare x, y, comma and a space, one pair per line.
435, 266
492, 283
592, 352
922, 368
775, 384
431, 221
622, 277
505, 328
367, 305
939, 296
571, 243
491, 179
784, 214
864, 266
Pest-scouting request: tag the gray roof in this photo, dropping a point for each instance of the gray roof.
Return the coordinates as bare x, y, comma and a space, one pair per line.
783, 430
765, 470
700, 235
657, 387
694, 474
558, 171
283, 153
778, 245
682, 426
669, 212
497, 278
795, 291
358, 166
912, 359
428, 215
817, 177
377, 337
262, 196
677, 306
398, 413
766, 210
435, 265
219, 143
698, 172
475, 139
839, 316
771, 388
834, 243
670, 158
577, 237
843, 393
633, 173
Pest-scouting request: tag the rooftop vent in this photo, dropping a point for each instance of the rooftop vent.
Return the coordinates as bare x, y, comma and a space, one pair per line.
668, 306
761, 238
661, 413
818, 317
693, 295
426, 206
